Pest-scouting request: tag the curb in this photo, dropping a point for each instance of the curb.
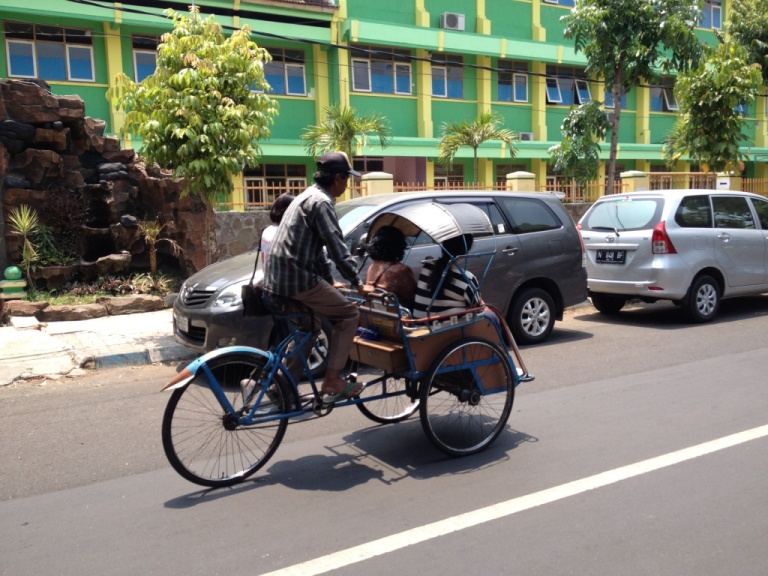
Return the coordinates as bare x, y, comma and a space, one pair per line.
172, 353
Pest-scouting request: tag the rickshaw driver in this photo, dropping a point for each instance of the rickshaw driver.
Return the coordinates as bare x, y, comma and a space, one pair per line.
299, 268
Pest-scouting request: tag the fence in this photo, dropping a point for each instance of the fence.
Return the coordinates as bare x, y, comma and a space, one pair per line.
682, 180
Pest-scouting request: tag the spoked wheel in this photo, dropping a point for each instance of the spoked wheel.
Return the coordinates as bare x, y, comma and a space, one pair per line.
390, 409
204, 443
466, 397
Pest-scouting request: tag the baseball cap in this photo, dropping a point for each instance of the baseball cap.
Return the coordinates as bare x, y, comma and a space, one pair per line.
336, 162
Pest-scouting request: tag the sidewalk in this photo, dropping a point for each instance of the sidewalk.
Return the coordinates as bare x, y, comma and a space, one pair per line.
29, 349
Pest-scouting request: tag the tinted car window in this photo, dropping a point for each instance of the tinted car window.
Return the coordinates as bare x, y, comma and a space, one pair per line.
732, 212
528, 215
694, 212
761, 207
490, 209
625, 214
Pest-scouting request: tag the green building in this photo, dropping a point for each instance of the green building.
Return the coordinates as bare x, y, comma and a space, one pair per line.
419, 62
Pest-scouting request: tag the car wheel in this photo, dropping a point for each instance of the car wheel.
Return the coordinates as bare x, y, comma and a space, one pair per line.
608, 304
532, 317
317, 362
703, 299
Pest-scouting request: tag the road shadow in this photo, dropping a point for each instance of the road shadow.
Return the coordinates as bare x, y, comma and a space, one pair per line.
383, 453
664, 315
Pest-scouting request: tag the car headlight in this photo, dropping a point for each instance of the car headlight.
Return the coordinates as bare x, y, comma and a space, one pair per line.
230, 297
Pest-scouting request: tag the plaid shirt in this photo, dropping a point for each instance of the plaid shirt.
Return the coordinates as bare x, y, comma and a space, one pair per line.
297, 261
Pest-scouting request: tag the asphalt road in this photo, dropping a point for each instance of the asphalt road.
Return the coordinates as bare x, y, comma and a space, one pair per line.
640, 448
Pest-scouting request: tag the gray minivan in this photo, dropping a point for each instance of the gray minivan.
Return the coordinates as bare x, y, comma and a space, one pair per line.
693, 247
537, 272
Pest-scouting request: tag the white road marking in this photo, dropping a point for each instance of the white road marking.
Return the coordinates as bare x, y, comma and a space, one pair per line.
467, 520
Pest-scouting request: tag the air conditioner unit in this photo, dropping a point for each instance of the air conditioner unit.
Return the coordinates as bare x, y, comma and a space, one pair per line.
526, 136
452, 21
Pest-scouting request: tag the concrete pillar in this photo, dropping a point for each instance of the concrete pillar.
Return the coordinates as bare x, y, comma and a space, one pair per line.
521, 182
377, 183
635, 181
727, 181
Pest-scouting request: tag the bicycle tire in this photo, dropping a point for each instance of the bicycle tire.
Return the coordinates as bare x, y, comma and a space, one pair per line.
467, 396
391, 409
198, 440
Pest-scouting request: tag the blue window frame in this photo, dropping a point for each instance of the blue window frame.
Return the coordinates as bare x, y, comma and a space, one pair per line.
144, 56
49, 52
711, 15
663, 96
286, 72
381, 70
609, 103
447, 76
567, 85
513, 81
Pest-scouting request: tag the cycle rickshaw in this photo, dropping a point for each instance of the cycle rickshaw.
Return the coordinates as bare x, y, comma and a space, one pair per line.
458, 371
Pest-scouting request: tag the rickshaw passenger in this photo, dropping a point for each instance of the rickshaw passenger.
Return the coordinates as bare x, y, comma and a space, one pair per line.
386, 272
458, 292
300, 270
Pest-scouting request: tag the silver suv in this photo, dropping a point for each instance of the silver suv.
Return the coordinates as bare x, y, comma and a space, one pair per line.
537, 272
693, 247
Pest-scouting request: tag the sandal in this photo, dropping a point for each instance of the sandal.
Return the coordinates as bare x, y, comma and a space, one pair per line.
353, 389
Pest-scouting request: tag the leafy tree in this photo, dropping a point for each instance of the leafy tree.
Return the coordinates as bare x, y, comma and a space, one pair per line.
578, 156
709, 128
345, 130
625, 41
748, 25
454, 135
204, 109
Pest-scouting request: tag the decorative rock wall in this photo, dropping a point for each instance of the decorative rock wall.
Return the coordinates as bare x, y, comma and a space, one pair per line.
47, 144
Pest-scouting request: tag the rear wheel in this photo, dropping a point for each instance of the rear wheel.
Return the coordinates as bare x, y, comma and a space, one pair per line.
204, 443
703, 299
609, 304
532, 317
466, 397
391, 408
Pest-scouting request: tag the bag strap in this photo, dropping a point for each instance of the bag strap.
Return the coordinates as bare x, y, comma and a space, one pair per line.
256, 263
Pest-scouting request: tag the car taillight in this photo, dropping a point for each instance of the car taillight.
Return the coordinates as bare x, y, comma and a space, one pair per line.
660, 242
583, 247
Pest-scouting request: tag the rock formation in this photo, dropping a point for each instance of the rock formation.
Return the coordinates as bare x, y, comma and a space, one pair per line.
48, 144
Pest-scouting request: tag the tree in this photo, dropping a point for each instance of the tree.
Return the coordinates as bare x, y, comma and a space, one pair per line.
344, 130
625, 41
24, 222
454, 135
710, 127
748, 25
151, 230
578, 156
204, 109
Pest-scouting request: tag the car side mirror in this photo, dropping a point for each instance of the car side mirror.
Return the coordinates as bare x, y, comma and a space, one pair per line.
361, 249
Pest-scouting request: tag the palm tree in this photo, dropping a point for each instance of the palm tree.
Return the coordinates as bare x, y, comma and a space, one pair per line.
344, 130
454, 135
24, 222
151, 230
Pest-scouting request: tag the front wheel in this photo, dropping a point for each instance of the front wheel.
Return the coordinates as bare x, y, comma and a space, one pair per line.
703, 299
395, 405
532, 316
204, 442
466, 397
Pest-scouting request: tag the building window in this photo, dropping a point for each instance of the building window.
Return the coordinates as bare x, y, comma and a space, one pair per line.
567, 85
368, 163
265, 183
561, 2
513, 81
49, 52
286, 72
609, 103
663, 96
381, 71
447, 76
144, 56
711, 15
453, 178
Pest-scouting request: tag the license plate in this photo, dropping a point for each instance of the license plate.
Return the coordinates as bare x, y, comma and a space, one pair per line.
611, 256
182, 323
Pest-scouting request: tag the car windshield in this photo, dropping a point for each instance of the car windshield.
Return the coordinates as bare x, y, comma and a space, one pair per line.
350, 214
624, 214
